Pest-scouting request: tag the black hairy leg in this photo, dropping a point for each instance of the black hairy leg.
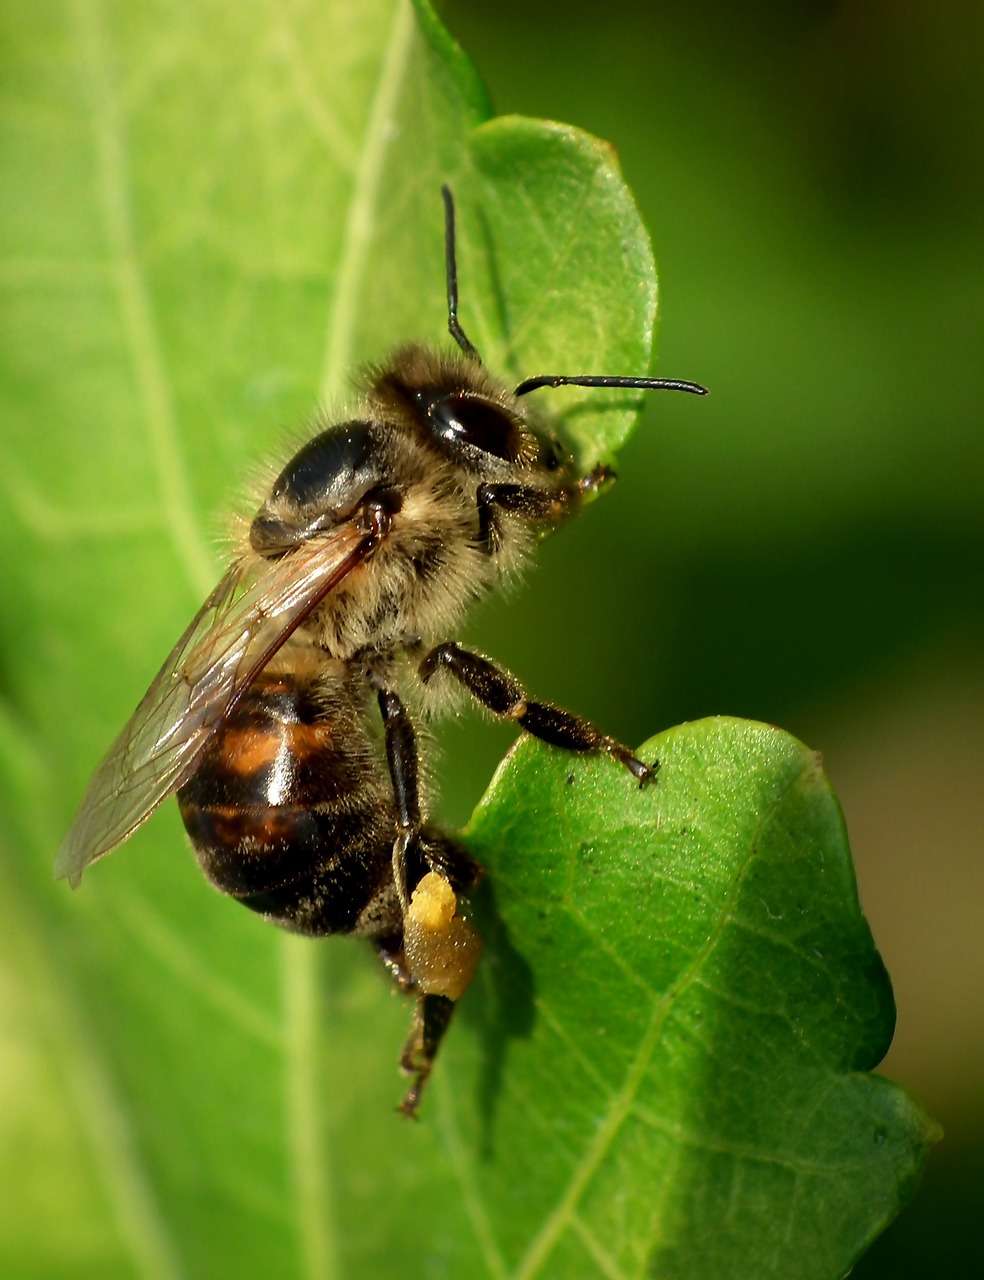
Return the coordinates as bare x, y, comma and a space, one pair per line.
505, 696
401, 756
436, 951
431, 1019
416, 848
534, 505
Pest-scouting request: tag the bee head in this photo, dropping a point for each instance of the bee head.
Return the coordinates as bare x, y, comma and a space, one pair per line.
455, 405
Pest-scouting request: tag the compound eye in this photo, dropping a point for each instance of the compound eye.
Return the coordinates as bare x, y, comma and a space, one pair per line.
464, 419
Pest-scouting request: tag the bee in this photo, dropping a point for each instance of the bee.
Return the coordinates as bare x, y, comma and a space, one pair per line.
282, 717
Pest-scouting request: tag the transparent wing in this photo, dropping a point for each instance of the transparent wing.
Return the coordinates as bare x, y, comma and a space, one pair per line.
236, 632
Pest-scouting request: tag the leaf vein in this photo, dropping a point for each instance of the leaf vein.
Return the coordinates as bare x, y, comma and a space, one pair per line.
134, 298
560, 1217
303, 1091
470, 1195
305, 89
743, 1151
362, 205
604, 1261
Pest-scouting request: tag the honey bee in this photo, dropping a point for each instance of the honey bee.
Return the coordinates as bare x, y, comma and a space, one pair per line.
359, 564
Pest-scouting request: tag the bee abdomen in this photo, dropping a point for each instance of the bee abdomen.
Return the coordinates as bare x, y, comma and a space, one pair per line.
290, 816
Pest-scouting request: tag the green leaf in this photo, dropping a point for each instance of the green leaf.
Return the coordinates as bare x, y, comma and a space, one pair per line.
682, 999
211, 214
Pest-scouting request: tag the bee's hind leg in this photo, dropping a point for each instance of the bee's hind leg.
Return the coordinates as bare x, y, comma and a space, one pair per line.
438, 950
430, 1021
390, 951
401, 757
416, 850
431, 1018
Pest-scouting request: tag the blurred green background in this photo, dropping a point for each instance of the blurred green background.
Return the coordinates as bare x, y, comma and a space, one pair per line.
807, 546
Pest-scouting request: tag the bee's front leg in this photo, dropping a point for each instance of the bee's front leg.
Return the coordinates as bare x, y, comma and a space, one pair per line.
505, 696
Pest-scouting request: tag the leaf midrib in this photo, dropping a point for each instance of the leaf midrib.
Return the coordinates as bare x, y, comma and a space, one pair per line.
139, 327
363, 202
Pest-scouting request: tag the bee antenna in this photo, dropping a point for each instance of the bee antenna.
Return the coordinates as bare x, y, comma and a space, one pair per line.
451, 270
604, 380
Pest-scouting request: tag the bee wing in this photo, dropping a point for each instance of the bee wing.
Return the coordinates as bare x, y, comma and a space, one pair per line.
236, 632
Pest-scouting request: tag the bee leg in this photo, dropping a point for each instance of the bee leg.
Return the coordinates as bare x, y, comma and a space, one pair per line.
430, 1021
414, 849
447, 948
505, 697
401, 756
538, 506
448, 859
431, 1018
390, 951
599, 477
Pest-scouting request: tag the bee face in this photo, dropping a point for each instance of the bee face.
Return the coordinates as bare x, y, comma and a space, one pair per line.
471, 420
335, 615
